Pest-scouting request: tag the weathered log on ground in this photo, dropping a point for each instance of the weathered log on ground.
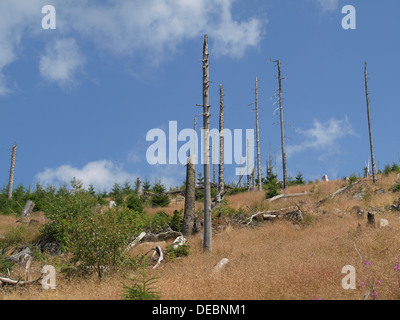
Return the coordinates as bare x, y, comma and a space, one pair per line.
180, 241
284, 196
339, 191
269, 214
21, 257
152, 237
159, 251
136, 241
8, 281
290, 213
221, 264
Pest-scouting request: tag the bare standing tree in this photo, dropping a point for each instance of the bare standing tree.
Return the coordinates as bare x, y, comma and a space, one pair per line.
139, 189
190, 197
207, 239
258, 142
369, 126
221, 182
248, 166
278, 63
11, 180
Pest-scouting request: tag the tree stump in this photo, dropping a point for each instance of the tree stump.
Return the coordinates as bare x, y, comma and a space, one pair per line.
371, 220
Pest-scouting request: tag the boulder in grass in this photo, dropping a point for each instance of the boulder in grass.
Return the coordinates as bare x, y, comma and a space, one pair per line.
382, 223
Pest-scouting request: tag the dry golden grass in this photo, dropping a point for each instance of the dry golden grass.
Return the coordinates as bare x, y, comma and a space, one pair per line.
274, 260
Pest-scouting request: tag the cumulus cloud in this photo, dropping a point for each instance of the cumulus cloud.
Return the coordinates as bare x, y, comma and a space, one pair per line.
328, 5
323, 137
61, 62
17, 18
160, 26
153, 28
102, 174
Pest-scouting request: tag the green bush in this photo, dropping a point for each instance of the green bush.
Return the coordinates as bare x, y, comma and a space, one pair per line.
176, 220
5, 265
387, 170
395, 168
62, 210
224, 210
179, 251
159, 222
353, 178
99, 241
159, 199
270, 183
134, 202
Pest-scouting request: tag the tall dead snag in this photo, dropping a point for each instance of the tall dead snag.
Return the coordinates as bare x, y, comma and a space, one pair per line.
214, 153
369, 126
11, 180
139, 189
258, 142
221, 182
278, 62
207, 239
190, 198
195, 149
248, 166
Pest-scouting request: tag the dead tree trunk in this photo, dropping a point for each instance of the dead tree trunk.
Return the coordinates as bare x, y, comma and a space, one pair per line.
258, 142
214, 155
207, 239
371, 220
221, 182
369, 126
248, 167
195, 150
190, 198
11, 180
139, 189
282, 125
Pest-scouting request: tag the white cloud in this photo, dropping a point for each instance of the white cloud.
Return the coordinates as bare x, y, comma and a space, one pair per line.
102, 174
323, 137
232, 37
152, 28
328, 5
158, 27
17, 18
61, 62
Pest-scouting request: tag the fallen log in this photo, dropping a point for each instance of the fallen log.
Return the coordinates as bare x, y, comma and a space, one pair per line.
269, 214
161, 236
21, 257
291, 212
12, 282
288, 196
221, 264
159, 251
339, 191
136, 241
180, 241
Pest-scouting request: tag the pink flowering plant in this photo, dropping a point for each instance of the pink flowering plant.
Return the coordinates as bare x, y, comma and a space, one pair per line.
371, 285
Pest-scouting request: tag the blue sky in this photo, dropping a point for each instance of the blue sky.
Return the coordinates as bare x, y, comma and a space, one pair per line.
80, 99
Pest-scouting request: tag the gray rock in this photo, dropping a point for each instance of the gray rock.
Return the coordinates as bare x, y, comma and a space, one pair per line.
383, 223
359, 195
